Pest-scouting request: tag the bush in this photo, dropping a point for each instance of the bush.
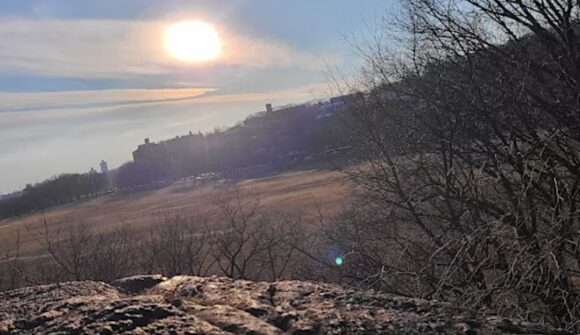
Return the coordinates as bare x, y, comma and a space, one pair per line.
485, 196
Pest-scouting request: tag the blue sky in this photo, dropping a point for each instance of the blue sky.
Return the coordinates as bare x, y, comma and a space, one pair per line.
82, 81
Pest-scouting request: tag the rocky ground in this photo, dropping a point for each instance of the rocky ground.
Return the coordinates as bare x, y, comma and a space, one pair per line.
194, 305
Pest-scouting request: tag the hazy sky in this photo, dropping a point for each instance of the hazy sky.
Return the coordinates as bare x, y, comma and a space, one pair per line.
82, 81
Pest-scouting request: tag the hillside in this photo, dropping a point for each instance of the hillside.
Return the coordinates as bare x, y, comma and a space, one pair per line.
136, 211
195, 305
264, 142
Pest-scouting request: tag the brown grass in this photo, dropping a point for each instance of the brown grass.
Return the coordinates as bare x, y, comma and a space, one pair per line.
303, 191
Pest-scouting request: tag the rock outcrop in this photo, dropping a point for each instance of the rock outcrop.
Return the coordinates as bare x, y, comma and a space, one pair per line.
194, 305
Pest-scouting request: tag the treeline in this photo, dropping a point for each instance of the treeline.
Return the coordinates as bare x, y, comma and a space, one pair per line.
55, 191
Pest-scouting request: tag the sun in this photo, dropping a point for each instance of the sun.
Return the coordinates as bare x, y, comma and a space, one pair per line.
193, 41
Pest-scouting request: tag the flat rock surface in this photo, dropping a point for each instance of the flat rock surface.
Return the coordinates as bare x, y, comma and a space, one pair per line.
195, 305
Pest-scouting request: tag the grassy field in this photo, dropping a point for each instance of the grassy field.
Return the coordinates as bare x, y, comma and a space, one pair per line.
303, 191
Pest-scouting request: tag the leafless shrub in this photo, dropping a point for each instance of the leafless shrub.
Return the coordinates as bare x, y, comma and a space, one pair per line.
243, 241
11, 266
68, 247
75, 252
238, 244
178, 244
254, 244
470, 134
113, 255
279, 238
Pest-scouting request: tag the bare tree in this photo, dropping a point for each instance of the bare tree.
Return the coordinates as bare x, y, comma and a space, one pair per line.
113, 255
252, 243
238, 244
75, 252
67, 246
12, 267
244, 243
470, 134
279, 238
178, 244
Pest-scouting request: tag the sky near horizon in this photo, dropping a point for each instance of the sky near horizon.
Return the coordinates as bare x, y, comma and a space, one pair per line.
82, 81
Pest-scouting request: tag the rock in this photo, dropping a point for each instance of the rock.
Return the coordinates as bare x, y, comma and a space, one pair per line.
195, 305
138, 284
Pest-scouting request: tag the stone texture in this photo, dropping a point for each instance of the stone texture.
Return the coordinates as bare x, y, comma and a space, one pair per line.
194, 305
138, 284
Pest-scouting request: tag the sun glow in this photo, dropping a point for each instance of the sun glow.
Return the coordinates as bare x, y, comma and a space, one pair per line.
193, 41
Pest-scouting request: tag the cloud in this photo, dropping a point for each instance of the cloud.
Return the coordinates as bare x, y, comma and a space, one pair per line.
245, 50
117, 49
174, 107
13, 102
311, 92
56, 115
102, 100
81, 48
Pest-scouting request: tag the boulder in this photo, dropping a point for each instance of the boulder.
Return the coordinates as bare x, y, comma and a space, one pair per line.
138, 284
213, 305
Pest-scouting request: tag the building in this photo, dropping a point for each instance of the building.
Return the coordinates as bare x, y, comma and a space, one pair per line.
104, 167
169, 150
150, 151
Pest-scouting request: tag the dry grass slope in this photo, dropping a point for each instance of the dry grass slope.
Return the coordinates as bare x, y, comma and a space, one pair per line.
291, 191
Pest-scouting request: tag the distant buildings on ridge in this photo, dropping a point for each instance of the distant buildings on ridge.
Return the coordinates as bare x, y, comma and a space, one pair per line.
104, 168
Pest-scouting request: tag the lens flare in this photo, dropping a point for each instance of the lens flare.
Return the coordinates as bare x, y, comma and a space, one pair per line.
338, 261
